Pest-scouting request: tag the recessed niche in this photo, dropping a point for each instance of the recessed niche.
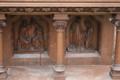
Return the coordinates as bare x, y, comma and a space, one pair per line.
29, 35
82, 35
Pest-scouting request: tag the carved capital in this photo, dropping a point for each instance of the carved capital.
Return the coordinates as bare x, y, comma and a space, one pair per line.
60, 21
2, 24
2, 21
60, 25
115, 20
1, 27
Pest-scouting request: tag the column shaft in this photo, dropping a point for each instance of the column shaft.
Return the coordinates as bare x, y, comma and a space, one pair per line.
115, 71
60, 23
2, 69
117, 49
1, 48
60, 47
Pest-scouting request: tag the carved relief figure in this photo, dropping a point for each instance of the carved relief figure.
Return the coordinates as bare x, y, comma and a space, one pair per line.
82, 33
77, 35
92, 32
30, 36
37, 40
89, 32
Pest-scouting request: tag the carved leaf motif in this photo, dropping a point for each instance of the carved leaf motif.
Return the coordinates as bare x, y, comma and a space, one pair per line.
29, 9
79, 9
60, 9
60, 25
21, 9
12, 9
111, 9
46, 9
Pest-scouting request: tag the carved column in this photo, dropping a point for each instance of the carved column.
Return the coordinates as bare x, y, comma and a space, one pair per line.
2, 24
115, 71
60, 23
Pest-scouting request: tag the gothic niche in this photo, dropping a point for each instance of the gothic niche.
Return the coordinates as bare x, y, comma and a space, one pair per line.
29, 35
82, 34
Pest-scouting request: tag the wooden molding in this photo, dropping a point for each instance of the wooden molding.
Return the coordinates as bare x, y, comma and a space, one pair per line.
52, 10
60, 1
60, 17
60, 4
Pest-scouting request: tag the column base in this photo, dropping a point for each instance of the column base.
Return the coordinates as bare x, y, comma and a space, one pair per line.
2, 70
59, 76
115, 72
3, 73
59, 68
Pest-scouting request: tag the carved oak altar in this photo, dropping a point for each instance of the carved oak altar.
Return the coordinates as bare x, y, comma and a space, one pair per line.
59, 28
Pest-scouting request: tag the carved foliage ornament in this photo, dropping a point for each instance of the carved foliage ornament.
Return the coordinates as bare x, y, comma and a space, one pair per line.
60, 25
2, 24
115, 19
60, 9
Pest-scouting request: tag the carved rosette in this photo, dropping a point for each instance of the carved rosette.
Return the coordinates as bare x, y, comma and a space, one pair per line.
60, 25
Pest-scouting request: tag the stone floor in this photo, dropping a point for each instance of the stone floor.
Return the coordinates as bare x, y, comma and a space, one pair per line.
72, 72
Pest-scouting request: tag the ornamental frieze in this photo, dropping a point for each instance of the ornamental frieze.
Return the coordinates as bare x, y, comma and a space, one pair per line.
56, 9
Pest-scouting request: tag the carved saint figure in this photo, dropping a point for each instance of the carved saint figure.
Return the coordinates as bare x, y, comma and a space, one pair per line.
82, 34
30, 36
91, 32
77, 35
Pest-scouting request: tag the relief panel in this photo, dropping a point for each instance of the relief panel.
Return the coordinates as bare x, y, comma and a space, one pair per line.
83, 34
29, 35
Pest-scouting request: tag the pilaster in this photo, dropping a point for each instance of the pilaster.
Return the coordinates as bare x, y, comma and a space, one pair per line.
115, 71
60, 23
2, 25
